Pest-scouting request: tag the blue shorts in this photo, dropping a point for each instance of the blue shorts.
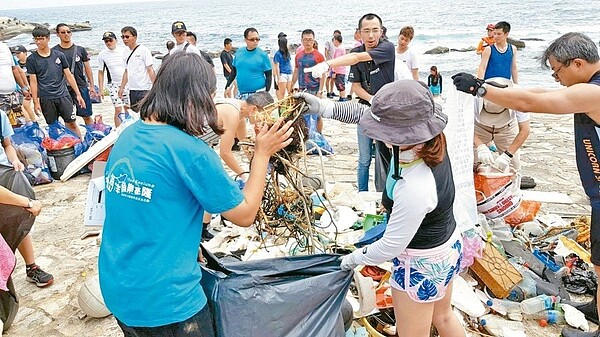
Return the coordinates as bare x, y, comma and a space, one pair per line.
85, 93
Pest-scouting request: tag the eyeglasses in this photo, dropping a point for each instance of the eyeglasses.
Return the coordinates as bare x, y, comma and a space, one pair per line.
254, 39
373, 31
308, 39
39, 38
566, 64
125, 36
65, 32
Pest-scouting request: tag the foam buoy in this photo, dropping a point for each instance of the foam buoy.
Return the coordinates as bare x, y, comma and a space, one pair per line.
90, 299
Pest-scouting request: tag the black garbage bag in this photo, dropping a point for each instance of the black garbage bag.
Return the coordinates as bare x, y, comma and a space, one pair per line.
15, 223
581, 280
295, 296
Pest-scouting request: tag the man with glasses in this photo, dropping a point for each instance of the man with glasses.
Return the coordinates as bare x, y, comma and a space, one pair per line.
49, 74
110, 61
79, 62
139, 72
306, 58
575, 63
372, 66
251, 66
500, 58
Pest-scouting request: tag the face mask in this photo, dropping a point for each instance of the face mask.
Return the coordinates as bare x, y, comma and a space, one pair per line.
407, 156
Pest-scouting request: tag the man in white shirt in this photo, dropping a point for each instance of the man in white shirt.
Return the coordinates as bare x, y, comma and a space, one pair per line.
406, 56
110, 60
179, 32
139, 73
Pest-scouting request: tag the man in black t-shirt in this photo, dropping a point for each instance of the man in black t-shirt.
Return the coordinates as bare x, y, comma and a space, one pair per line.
227, 61
79, 63
372, 66
48, 76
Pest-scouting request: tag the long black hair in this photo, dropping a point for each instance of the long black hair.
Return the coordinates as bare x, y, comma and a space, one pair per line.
181, 95
283, 48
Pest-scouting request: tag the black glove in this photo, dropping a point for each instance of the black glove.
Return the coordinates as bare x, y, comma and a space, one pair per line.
467, 83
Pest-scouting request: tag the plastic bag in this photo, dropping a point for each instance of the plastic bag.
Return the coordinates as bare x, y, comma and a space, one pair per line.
95, 131
286, 297
97, 97
316, 140
27, 141
60, 137
473, 246
526, 212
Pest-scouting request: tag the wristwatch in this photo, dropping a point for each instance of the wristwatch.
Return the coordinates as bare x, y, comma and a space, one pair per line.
510, 155
481, 91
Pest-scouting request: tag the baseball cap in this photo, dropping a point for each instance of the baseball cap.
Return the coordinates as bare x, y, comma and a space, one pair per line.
109, 35
281, 34
404, 113
491, 26
178, 26
18, 49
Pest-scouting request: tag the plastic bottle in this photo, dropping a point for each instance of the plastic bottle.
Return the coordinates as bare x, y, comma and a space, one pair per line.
551, 316
537, 304
497, 326
513, 309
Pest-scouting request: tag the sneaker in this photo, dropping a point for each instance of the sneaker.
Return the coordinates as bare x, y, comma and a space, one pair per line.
349, 97
36, 275
333, 94
329, 95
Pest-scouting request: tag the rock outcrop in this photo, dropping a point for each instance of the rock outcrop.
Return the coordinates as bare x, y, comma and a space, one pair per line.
11, 27
438, 50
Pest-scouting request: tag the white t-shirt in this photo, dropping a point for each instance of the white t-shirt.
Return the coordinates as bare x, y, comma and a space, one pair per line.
7, 80
137, 75
190, 48
113, 59
409, 59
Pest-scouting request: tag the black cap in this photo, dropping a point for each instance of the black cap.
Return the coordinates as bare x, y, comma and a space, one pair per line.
178, 26
18, 49
282, 34
109, 35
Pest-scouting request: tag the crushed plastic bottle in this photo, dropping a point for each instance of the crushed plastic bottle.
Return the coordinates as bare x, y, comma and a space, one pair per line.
538, 303
551, 316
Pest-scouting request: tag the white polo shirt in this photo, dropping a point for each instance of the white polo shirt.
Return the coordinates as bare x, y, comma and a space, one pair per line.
137, 75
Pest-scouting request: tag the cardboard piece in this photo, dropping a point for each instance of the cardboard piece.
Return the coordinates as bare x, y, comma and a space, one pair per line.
494, 270
94, 205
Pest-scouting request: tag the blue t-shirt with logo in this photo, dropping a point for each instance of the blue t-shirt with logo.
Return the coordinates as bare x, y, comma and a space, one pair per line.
251, 66
158, 183
285, 65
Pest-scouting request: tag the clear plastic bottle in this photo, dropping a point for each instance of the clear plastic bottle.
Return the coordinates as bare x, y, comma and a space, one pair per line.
551, 316
538, 303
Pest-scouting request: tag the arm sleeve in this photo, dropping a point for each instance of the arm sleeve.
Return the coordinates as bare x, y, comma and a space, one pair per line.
147, 55
231, 76
84, 54
440, 80
384, 52
63, 61
429, 80
348, 112
223, 58
412, 201
267, 62
354, 75
30, 64
268, 79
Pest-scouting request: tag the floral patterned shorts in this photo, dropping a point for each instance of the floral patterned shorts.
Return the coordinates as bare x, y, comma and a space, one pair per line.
424, 274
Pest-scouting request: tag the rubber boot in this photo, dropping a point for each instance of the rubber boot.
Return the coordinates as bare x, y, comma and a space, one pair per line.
589, 309
572, 332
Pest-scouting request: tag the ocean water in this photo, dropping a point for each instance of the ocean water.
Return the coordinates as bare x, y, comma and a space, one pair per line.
451, 23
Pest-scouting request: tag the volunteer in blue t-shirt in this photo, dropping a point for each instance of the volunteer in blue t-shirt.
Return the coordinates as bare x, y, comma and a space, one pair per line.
251, 66
156, 193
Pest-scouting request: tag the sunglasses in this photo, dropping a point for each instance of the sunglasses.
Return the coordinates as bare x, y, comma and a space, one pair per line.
125, 36
254, 39
109, 40
65, 32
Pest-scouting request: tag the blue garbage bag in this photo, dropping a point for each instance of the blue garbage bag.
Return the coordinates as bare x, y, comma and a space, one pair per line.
294, 296
316, 140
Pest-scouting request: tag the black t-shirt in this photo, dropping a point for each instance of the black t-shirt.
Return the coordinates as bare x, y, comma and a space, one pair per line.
49, 73
226, 58
80, 58
374, 74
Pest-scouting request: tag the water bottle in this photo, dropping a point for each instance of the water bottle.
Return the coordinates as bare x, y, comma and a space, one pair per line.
537, 304
551, 316
513, 309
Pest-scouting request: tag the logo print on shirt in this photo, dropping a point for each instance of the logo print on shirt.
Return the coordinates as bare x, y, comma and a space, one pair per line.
126, 185
57, 61
77, 58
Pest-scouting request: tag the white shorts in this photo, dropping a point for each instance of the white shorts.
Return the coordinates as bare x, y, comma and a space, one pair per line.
113, 89
285, 78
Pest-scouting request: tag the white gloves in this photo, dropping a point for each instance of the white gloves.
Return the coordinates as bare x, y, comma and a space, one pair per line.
348, 262
502, 162
318, 70
484, 155
317, 106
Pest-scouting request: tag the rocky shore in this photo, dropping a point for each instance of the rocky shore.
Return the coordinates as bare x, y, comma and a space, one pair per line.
11, 27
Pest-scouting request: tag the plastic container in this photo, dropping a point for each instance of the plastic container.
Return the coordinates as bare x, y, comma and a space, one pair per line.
371, 221
538, 303
58, 160
546, 259
551, 316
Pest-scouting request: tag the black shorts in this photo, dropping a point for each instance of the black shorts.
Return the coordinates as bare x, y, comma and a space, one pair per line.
135, 96
52, 108
340, 82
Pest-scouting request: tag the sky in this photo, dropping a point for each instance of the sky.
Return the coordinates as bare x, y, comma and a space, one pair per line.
12, 4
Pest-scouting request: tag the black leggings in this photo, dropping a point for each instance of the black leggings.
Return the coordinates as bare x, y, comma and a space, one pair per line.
199, 325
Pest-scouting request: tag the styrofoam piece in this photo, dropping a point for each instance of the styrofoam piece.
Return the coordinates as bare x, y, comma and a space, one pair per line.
575, 318
465, 299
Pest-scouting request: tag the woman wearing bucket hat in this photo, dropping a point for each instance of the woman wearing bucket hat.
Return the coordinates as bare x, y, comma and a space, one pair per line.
421, 237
